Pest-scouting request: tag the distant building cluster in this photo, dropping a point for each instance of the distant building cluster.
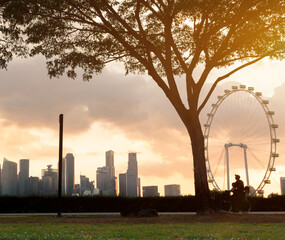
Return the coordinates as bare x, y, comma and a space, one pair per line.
13, 183
23, 184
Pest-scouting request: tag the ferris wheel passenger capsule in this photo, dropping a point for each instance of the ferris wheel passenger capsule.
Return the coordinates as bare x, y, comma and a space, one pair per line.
250, 88
260, 192
226, 91
275, 154
206, 125
259, 94
267, 181
265, 102
214, 105
274, 125
276, 140
242, 86
270, 113
210, 114
220, 97
234, 87
272, 169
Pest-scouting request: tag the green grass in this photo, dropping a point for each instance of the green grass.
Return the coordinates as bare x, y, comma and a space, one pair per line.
85, 230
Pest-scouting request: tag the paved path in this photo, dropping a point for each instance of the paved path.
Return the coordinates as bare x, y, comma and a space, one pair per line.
116, 214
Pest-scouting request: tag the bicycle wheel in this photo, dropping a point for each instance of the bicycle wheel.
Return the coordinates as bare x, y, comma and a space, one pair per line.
226, 205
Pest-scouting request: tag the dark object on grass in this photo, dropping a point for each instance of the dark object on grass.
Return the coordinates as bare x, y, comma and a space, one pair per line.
147, 213
130, 212
136, 212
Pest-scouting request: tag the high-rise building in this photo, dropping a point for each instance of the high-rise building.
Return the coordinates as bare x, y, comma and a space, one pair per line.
34, 186
129, 183
132, 164
282, 185
49, 181
103, 177
172, 190
9, 178
106, 181
110, 162
123, 184
132, 176
47, 186
69, 174
23, 176
139, 187
85, 185
150, 191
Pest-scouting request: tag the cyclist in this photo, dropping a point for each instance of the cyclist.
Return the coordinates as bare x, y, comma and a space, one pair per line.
238, 193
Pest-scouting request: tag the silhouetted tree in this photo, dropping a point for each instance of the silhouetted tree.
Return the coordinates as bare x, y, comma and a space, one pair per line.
11, 42
163, 38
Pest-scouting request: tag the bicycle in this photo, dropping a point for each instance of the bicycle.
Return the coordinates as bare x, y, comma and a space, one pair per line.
227, 202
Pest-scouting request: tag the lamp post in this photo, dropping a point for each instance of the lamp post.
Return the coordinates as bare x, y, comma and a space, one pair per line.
60, 163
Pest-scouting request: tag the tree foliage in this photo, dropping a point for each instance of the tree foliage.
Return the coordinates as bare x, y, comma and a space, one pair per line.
11, 42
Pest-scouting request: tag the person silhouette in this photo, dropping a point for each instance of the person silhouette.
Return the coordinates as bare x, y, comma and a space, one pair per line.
238, 193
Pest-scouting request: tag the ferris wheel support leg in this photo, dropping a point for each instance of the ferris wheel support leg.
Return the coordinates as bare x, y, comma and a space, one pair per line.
228, 167
246, 167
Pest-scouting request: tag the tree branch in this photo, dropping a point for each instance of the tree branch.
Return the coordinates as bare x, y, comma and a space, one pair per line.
226, 76
152, 10
199, 44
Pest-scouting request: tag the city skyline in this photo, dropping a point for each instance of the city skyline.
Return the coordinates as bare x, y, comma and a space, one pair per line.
140, 120
10, 171
26, 185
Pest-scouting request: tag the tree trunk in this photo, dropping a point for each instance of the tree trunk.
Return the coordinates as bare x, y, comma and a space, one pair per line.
202, 192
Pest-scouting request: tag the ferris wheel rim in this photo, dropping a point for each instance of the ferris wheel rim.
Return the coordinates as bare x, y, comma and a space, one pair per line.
272, 129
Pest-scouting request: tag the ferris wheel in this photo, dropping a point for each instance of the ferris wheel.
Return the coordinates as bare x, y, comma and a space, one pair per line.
240, 138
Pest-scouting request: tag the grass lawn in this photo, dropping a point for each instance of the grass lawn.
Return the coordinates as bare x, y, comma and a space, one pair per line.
120, 228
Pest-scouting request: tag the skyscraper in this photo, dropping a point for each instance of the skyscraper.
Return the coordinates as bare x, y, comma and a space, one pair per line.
110, 162
9, 178
34, 186
69, 174
23, 176
132, 164
105, 176
85, 185
282, 185
49, 181
132, 176
123, 184
104, 181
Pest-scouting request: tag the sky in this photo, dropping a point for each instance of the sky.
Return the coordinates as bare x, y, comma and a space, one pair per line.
125, 113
